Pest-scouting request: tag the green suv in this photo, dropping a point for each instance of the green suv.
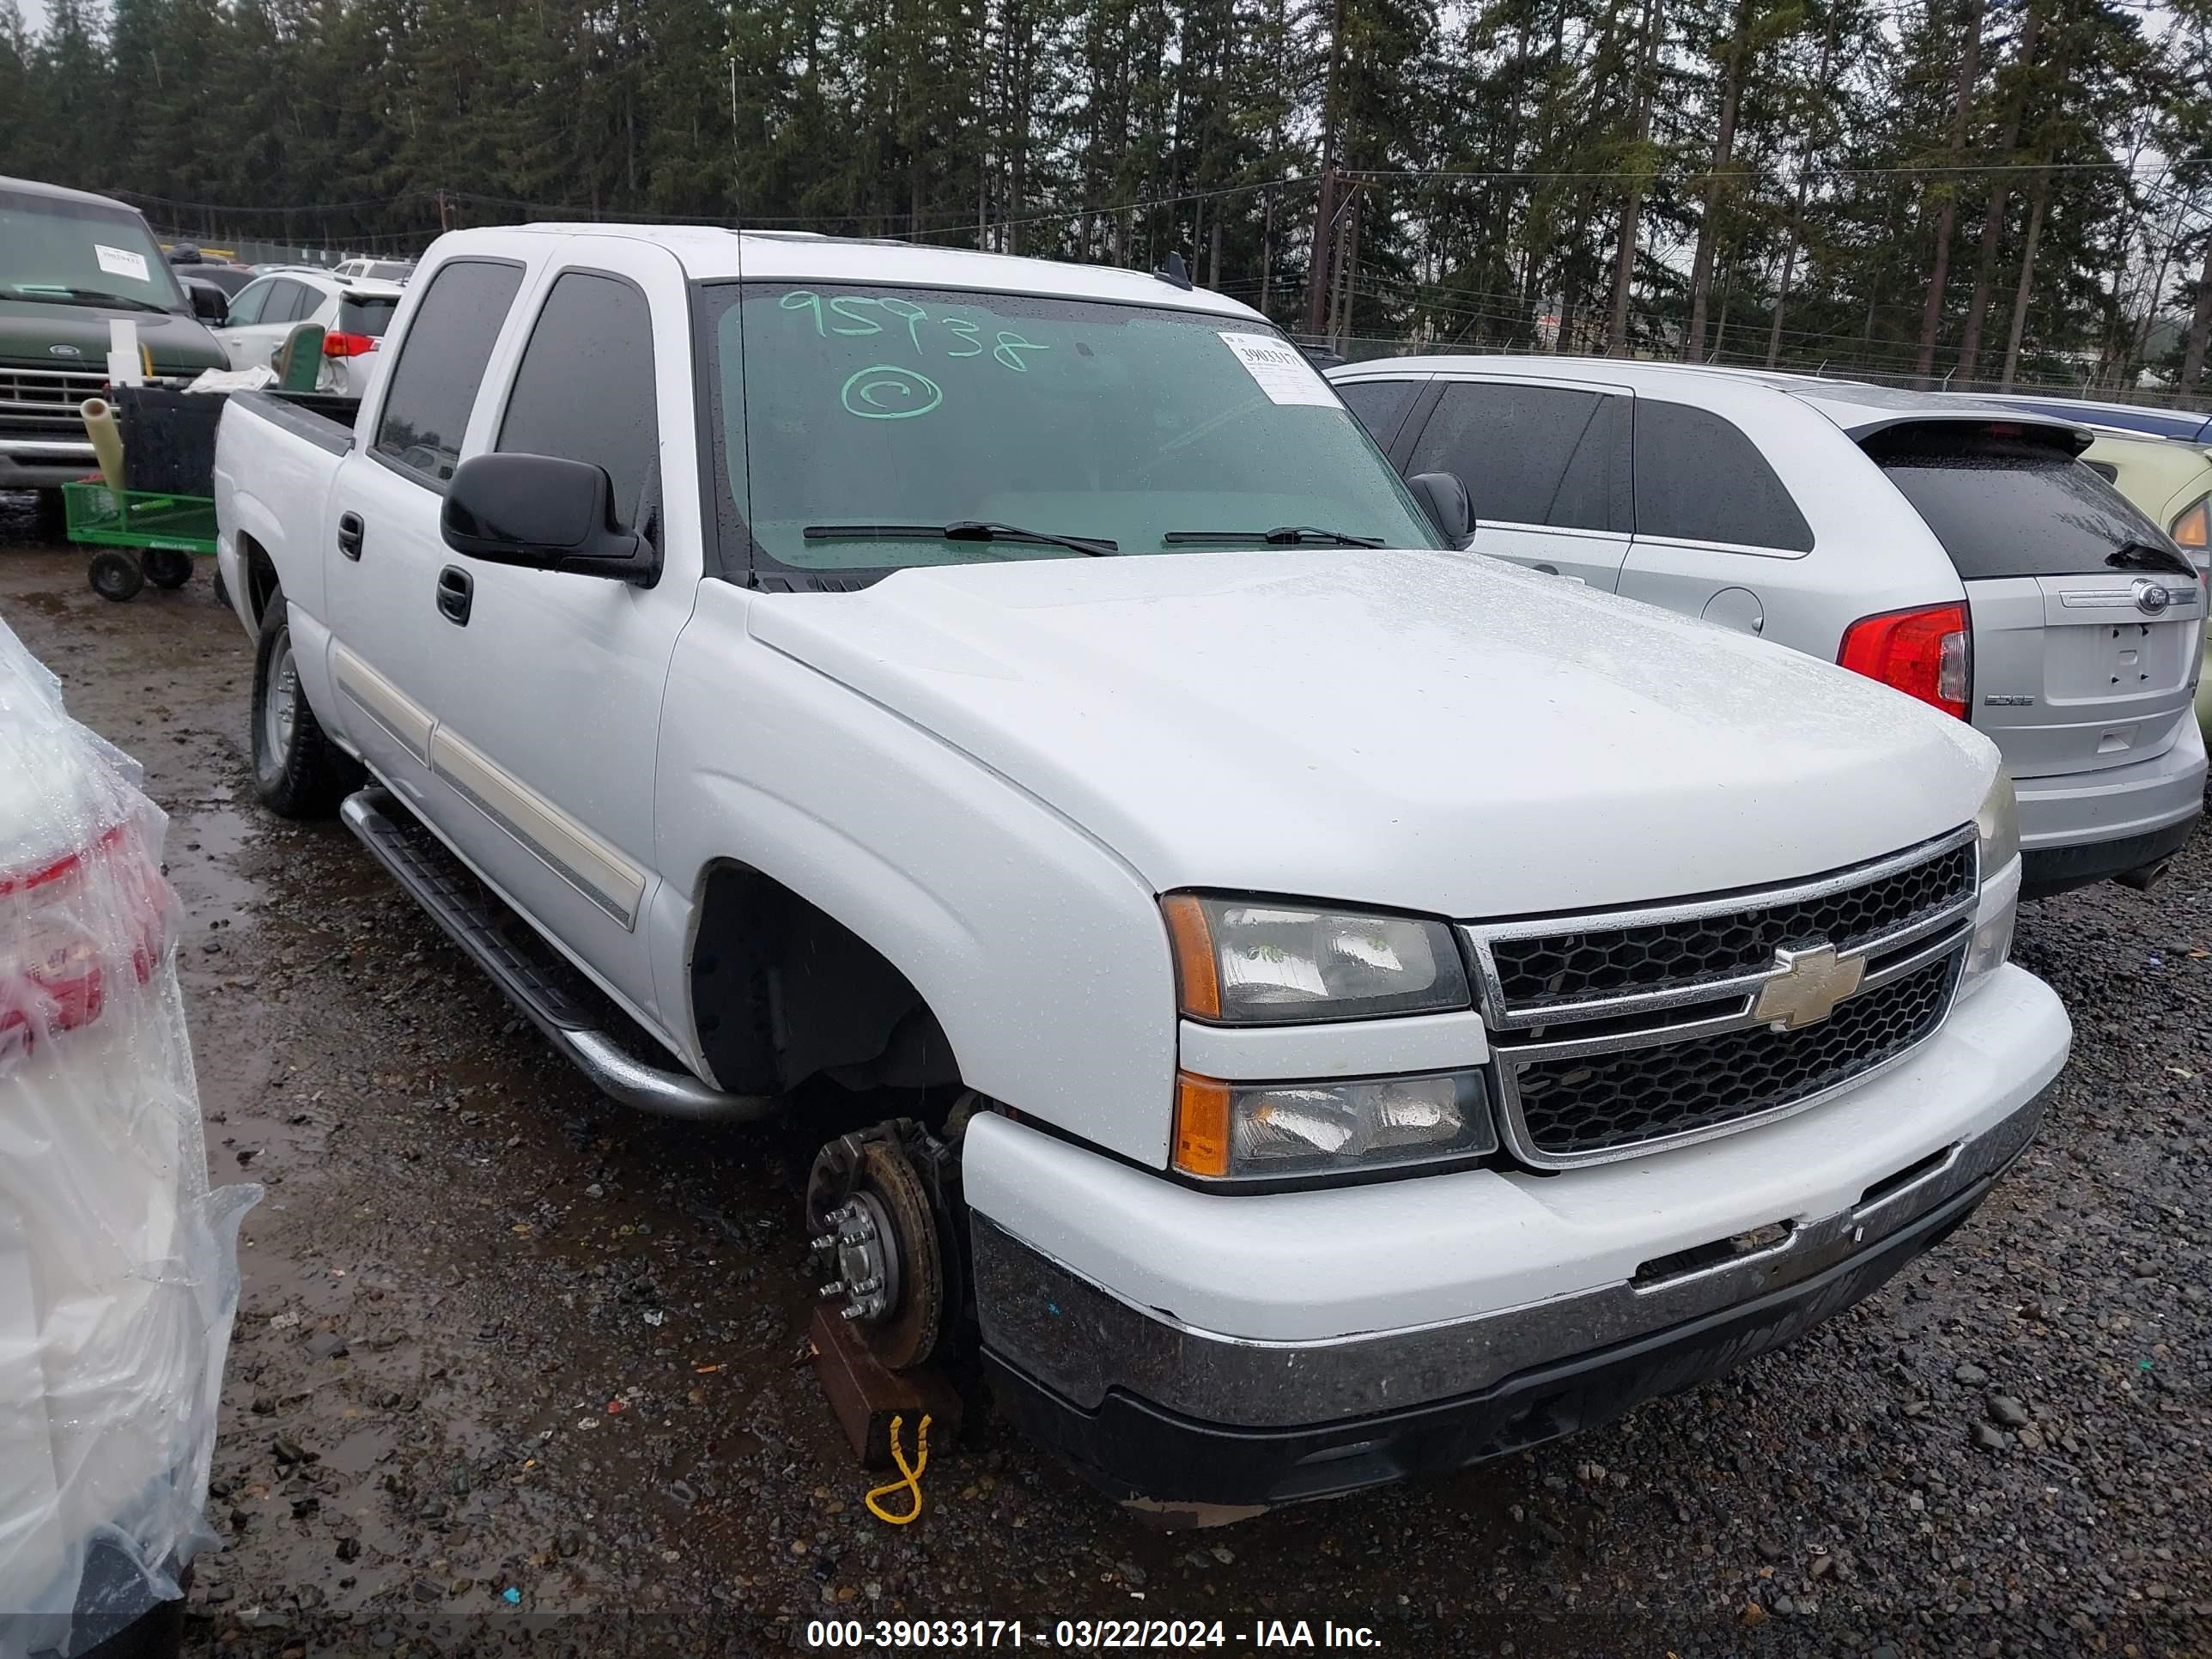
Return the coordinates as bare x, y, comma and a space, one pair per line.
68, 264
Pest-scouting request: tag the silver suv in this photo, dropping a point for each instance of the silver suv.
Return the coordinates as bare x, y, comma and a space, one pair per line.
1958, 552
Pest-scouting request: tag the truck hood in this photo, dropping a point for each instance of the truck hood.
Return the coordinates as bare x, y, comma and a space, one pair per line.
30, 329
1424, 731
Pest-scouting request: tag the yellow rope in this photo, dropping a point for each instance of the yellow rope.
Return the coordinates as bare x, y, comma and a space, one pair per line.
910, 1478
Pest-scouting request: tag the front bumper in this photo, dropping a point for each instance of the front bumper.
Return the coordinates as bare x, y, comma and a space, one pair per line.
41, 464
1184, 1468
1294, 1345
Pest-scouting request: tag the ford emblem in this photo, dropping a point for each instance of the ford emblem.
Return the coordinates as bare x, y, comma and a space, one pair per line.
65, 351
2151, 596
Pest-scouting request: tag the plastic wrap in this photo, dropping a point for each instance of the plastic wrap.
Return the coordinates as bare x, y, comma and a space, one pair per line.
118, 1264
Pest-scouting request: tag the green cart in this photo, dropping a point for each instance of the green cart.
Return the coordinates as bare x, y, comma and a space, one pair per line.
162, 533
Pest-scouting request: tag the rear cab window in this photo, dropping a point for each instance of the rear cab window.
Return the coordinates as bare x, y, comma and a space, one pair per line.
1699, 478
2010, 503
440, 365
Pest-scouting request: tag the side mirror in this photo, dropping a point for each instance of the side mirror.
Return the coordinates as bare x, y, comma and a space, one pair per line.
209, 304
545, 514
1443, 498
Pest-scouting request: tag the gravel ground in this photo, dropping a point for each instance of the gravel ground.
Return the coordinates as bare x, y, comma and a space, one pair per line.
517, 1369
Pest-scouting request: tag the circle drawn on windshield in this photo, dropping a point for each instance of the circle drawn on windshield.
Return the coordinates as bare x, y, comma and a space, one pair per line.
884, 391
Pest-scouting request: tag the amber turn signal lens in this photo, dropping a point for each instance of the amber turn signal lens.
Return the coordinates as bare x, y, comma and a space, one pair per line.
1198, 981
2193, 529
1201, 1125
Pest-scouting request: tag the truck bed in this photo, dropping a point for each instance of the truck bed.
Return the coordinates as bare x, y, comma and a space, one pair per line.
276, 456
323, 418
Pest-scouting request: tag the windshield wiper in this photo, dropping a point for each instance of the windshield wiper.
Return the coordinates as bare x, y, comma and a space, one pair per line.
2148, 556
1283, 535
87, 296
960, 530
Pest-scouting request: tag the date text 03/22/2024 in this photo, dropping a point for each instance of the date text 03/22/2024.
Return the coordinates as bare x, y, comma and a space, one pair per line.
1083, 1635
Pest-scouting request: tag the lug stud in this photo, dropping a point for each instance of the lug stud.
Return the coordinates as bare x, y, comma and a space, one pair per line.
832, 1290
853, 1313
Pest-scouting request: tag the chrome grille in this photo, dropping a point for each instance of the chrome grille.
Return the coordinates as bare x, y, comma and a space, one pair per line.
1598, 961
42, 403
1574, 1106
1615, 1034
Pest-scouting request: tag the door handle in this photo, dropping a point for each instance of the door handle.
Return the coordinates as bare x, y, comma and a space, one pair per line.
456, 591
349, 534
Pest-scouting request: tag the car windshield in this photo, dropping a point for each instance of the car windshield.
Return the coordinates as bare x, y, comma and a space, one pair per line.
54, 248
846, 409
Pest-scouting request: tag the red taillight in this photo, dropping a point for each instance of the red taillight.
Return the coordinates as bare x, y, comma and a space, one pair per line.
348, 346
1924, 654
75, 930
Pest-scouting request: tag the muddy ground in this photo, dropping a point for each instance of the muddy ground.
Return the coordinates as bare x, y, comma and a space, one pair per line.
515, 1368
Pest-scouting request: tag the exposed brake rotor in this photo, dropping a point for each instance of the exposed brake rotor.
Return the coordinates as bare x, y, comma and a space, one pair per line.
878, 1203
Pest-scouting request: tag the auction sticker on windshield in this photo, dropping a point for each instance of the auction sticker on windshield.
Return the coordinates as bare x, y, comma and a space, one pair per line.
120, 262
1281, 370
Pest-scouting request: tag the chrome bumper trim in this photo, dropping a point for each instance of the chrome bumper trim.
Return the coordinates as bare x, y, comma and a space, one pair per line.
1081, 1342
50, 452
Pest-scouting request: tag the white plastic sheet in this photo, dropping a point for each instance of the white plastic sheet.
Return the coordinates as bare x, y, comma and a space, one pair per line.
118, 1267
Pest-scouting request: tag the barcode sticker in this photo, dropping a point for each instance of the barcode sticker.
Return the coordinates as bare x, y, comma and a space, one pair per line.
1280, 369
120, 262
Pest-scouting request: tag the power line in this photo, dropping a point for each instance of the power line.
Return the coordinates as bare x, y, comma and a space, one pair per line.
1916, 170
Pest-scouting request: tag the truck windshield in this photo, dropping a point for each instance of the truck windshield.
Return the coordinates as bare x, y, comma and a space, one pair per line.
1154, 429
72, 253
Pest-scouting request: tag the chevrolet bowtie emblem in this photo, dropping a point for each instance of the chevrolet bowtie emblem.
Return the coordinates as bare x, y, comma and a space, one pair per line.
1806, 986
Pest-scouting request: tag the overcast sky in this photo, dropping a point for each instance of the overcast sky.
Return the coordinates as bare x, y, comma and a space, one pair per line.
35, 12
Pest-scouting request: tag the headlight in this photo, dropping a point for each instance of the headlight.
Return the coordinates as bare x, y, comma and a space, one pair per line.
1996, 825
1252, 961
1998, 828
1249, 1130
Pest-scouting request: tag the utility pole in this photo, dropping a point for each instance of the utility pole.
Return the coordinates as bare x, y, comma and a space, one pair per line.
1266, 244
1318, 285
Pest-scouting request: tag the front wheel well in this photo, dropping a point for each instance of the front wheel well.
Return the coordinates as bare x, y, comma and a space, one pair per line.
782, 992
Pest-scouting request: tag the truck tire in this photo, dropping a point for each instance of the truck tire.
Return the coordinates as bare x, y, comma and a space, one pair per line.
298, 772
50, 522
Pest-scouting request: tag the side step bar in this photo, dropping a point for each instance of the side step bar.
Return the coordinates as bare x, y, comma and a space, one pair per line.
603, 1042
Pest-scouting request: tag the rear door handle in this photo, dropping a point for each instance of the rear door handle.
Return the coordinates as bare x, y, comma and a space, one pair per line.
349, 533
456, 592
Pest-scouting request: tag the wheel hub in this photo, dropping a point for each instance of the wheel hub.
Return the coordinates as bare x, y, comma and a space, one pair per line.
862, 1256
883, 1243
284, 701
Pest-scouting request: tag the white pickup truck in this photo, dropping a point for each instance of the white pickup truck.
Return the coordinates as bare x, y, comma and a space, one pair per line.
1349, 1009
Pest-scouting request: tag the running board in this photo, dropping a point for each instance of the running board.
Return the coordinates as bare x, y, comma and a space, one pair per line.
619, 1057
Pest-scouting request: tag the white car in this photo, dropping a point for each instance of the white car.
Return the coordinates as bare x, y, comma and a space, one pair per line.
352, 312
118, 1274
1955, 551
382, 270
1353, 1008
